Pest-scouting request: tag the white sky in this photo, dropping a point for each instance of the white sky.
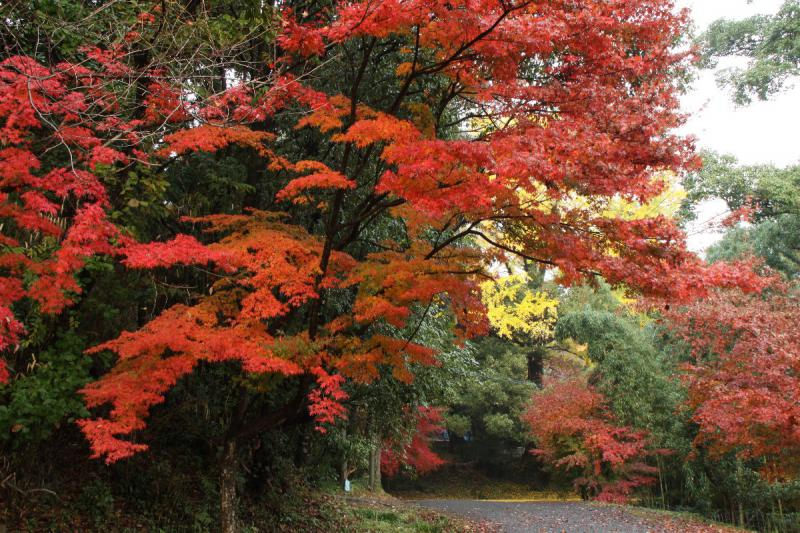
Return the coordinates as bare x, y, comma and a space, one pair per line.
763, 132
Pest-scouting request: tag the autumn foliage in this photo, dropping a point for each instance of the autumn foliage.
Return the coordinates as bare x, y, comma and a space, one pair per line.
744, 376
503, 114
416, 453
575, 433
61, 209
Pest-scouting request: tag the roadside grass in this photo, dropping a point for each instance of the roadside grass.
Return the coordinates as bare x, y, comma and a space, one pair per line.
400, 520
362, 511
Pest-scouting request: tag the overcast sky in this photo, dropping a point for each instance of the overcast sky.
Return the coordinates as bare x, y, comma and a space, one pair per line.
763, 132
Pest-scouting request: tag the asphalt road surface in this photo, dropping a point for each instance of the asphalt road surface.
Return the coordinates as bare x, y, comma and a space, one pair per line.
553, 517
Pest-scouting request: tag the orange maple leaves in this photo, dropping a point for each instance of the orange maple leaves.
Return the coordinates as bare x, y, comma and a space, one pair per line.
321, 179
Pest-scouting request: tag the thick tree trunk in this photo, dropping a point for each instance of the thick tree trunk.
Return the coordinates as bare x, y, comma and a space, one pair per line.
241, 434
227, 488
375, 468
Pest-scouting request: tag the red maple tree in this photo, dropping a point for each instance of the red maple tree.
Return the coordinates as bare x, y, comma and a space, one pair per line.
744, 379
576, 433
54, 215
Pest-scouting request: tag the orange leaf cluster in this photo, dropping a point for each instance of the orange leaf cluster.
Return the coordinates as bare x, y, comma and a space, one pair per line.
273, 271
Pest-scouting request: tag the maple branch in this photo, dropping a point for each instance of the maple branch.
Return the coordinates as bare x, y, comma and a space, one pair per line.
410, 78
506, 248
8, 482
455, 56
333, 220
452, 91
358, 223
277, 417
438, 247
419, 324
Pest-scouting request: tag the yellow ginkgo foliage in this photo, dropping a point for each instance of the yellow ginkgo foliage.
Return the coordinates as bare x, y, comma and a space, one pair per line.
516, 311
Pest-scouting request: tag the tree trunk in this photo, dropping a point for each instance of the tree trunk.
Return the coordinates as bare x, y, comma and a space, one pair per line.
742, 521
536, 365
303, 447
375, 468
343, 473
227, 487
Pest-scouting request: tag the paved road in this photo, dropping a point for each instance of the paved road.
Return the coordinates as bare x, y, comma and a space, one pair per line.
552, 517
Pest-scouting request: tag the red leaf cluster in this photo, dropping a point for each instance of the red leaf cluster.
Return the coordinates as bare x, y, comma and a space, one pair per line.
273, 271
744, 380
417, 453
576, 433
57, 209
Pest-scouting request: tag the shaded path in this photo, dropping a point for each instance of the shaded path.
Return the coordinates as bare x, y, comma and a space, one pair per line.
558, 517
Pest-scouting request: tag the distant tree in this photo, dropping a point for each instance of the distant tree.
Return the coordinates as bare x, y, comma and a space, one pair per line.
765, 197
766, 190
492, 397
626, 367
520, 311
771, 42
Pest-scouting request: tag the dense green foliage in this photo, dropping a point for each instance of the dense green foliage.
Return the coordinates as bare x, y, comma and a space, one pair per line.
490, 400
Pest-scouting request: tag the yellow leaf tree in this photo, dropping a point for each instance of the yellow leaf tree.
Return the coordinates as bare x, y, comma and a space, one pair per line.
523, 314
